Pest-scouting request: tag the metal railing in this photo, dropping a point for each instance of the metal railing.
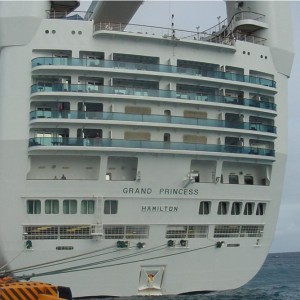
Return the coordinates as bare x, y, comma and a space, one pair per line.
141, 92
75, 15
113, 116
222, 37
138, 144
152, 67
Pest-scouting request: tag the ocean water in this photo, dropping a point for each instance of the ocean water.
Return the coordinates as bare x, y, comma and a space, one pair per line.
279, 279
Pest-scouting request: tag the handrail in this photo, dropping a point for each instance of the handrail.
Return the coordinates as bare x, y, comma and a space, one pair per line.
152, 67
226, 33
118, 143
141, 92
212, 34
74, 15
67, 114
176, 34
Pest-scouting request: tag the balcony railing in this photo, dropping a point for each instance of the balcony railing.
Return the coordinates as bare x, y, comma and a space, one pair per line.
220, 36
115, 90
151, 118
152, 67
98, 142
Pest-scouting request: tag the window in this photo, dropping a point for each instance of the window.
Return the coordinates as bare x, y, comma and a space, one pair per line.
54, 232
248, 210
51, 206
70, 206
174, 231
236, 208
261, 208
33, 207
186, 231
233, 179
114, 232
226, 231
223, 208
234, 231
110, 207
167, 137
126, 231
248, 179
252, 231
87, 207
204, 208
137, 231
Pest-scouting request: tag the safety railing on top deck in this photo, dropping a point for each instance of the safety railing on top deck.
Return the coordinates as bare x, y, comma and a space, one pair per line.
75, 15
219, 33
224, 28
178, 34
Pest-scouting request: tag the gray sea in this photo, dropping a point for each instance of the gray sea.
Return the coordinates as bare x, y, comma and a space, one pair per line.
279, 279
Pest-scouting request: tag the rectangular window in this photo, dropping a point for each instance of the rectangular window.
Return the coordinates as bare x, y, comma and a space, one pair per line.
252, 231
87, 207
223, 208
228, 231
110, 207
70, 206
33, 207
137, 232
188, 231
248, 179
261, 208
233, 179
174, 231
114, 232
248, 210
236, 208
62, 232
51, 206
197, 231
75, 232
234, 231
40, 232
204, 208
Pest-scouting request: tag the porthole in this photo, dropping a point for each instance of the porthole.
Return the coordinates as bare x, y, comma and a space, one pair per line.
248, 53
73, 31
261, 56
266, 57
244, 52
46, 31
80, 32
53, 31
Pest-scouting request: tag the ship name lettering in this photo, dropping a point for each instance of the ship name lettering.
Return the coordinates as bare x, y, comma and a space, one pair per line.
167, 191
155, 208
142, 191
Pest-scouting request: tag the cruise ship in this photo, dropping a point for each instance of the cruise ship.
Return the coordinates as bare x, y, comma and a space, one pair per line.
140, 160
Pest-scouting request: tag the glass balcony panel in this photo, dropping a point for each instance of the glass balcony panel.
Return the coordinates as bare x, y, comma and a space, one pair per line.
151, 67
66, 114
61, 141
58, 87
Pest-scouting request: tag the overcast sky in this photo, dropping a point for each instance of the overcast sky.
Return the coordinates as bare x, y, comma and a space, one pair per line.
191, 14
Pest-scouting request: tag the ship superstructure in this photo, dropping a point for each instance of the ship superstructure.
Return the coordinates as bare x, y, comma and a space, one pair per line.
139, 160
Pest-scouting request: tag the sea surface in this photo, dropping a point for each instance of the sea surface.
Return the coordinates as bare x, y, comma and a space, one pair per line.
279, 279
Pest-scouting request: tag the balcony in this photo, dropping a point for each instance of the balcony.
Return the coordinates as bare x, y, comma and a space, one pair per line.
92, 115
115, 90
136, 144
83, 62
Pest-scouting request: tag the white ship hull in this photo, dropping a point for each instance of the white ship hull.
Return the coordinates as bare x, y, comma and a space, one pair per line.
171, 185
